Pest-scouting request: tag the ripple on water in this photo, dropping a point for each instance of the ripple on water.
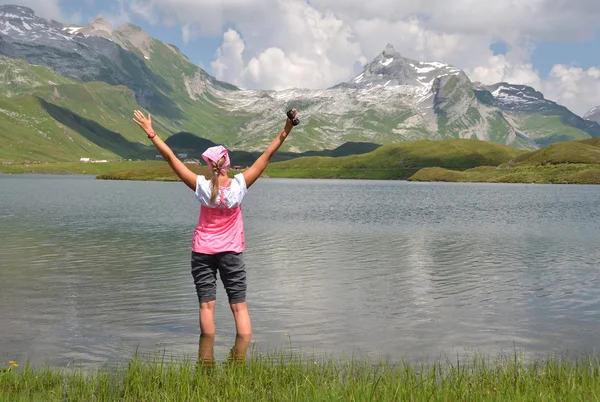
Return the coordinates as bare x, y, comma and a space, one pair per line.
385, 268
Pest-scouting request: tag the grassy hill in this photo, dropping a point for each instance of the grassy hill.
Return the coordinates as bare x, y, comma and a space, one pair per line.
565, 162
398, 161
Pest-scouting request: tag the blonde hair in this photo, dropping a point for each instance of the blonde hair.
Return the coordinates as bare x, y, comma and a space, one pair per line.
216, 168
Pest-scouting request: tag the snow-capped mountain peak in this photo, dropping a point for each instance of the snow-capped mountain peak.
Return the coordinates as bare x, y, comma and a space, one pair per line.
390, 69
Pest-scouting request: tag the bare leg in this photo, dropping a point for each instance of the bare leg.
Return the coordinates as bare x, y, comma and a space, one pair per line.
207, 318
243, 325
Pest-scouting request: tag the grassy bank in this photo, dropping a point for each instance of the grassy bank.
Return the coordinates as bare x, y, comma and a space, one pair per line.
575, 162
553, 174
283, 379
76, 167
161, 172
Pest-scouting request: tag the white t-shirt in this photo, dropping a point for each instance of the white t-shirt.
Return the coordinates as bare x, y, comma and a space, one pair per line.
234, 194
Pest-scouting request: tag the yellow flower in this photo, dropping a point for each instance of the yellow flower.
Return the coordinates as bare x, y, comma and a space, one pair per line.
13, 363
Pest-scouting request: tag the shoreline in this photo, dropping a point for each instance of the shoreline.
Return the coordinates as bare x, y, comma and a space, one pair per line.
305, 377
159, 171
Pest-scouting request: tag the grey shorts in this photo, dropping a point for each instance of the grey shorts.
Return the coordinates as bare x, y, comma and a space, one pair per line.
232, 271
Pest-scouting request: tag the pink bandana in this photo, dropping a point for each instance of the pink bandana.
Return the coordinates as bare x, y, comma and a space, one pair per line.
216, 153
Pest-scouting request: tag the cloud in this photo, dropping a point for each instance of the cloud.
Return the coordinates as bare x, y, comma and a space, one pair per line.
144, 10
118, 13
186, 33
308, 49
504, 19
574, 86
277, 44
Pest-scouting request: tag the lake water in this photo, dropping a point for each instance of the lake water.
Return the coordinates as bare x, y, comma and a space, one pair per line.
91, 270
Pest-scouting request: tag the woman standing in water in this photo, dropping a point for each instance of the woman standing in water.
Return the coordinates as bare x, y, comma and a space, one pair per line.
218, 240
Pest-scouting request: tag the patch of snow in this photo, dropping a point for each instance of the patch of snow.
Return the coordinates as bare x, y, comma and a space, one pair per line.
146, 57
10, 26
386, 84
72, 30
26, 25
435, 64
422, 70
8, 15
387, 62
498, 91
359, 78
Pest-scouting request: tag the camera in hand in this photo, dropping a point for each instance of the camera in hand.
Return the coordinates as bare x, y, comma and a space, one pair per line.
295, 122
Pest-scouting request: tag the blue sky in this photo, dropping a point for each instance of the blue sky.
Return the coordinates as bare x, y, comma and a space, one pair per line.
552, 45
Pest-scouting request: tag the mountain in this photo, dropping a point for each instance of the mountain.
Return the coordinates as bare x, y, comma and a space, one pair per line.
593, 115
69, 92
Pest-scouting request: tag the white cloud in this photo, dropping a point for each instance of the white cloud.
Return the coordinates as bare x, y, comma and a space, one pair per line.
186, 33
118, 14
276, 44
229, 63
309, 49
575, 87
144, 10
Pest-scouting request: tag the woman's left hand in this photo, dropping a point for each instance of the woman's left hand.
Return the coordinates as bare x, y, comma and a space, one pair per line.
143, 122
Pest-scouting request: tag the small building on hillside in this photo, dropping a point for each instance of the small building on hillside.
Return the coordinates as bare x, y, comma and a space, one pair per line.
182, 156
237, 167
84, 159
158, 157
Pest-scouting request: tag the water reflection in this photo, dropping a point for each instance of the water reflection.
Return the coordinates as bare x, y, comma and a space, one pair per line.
206, 350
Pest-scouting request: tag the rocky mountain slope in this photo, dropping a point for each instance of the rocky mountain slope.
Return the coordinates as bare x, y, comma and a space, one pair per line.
593, 114
97, 74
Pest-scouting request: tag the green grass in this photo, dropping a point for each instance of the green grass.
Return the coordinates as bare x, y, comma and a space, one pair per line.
572, 152
398, 161
154, 173
282, 378
558, 174
574, 162
78, 167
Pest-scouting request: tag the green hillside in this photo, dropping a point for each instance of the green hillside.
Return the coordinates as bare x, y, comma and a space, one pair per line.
573, 152
566, 162
398, 161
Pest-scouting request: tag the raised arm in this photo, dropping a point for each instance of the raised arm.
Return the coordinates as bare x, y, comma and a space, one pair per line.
185, 174
258, 167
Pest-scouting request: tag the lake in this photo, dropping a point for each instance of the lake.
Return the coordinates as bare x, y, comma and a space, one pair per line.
92, 270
